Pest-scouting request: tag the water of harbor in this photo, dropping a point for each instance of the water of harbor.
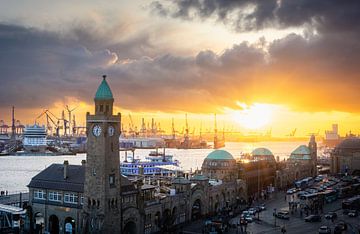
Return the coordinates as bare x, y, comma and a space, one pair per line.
17, 171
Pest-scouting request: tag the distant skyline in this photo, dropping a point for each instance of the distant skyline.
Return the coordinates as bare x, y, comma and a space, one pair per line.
294, 63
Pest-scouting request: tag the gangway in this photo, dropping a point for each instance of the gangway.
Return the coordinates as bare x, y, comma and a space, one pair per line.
11, 218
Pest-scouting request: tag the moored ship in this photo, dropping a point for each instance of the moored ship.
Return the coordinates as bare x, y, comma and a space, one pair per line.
155, 163
34, 139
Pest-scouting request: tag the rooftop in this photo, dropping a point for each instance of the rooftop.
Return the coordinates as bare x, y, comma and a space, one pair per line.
52, 177
301, 153
220, 155
104, 91
349, 143
261, 152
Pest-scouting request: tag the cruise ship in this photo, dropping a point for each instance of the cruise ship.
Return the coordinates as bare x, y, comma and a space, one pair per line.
141, 143
155, 163
34, 139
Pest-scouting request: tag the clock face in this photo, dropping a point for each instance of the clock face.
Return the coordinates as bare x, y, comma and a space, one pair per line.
96, 130
111, 131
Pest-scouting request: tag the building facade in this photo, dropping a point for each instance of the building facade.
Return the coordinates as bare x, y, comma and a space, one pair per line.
95, 198
345, 158
301, 163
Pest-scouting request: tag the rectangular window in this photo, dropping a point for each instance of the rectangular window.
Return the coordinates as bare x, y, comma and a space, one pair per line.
107, 108
71, 198
101, 108
55, 196
112, 180
39, 194
82, 200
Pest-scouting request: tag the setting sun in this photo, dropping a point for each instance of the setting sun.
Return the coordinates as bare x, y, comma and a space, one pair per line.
253, 116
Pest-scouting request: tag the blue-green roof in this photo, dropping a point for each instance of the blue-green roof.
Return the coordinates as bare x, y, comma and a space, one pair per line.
180, 180
261, 152
104, 91
199, 177
301, 153
220, 155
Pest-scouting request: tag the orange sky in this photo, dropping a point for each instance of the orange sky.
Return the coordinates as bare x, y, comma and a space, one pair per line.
258, 66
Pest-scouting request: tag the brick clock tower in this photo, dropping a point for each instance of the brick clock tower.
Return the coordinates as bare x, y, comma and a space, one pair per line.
101, 209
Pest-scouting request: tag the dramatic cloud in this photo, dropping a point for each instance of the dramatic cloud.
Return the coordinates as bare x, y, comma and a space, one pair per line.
318, 70
243, 15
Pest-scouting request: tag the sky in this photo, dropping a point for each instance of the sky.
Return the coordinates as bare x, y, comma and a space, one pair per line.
260, 65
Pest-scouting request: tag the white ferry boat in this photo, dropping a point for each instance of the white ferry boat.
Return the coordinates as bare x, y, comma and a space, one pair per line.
154, 164
34, 139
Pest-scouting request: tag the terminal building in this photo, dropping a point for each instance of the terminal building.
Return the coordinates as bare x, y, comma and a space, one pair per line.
258, 172
95, 198
345, 158
301, 163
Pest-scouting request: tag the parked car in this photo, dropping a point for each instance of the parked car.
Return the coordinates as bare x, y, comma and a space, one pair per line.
313, 218
252, 211
340, 226
261, 207
291, 191
353, 213
324, 230
345, 211
248, 218
331, 215
283, 215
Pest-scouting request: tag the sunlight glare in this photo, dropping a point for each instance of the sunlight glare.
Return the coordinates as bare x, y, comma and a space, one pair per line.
253, 116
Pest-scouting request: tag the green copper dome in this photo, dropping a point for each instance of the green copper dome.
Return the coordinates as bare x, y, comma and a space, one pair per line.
220, 155
104, 91
261, 152
301, 153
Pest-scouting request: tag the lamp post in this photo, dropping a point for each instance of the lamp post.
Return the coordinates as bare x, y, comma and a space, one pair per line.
274, 217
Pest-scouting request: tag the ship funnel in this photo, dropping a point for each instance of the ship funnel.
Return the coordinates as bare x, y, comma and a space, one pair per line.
66, 165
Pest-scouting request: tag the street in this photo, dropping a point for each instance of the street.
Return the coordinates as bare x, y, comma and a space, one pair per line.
295, 224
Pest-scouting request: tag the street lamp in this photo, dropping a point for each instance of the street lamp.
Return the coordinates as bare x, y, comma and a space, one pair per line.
274, 217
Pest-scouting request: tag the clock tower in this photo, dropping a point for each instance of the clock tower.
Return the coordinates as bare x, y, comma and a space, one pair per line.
101, 209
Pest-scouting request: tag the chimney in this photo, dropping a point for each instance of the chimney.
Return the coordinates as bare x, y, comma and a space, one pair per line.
83, 162
66, 164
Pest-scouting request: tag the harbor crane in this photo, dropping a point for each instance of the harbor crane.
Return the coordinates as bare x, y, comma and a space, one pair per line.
292, 133
65, 122
71, 130
49, 119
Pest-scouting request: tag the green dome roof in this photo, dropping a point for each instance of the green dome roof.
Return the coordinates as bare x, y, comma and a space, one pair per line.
220, 155
104, 91
261, 152
199, 177
302, 153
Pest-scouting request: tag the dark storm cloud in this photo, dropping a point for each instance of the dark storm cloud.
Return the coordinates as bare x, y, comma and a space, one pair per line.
245, 15
317, 71
40, 68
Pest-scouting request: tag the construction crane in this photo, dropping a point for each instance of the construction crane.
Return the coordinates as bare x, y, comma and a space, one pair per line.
65, 122
173, 129
57, 125
186, 126
69, 120
41, 115
19, 127
292, 133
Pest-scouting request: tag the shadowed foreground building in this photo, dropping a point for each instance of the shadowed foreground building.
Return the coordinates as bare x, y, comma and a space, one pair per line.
345, 158
301, 164
95, 198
